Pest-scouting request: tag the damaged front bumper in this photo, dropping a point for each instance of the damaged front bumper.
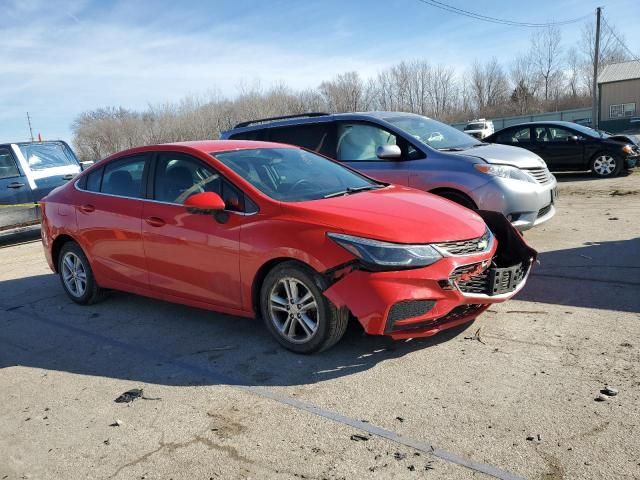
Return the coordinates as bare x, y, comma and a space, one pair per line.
424, 301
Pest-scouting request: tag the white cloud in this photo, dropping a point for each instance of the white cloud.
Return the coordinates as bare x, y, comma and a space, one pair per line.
64, 63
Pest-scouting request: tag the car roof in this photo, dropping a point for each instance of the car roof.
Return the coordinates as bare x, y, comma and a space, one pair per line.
313, 118
35, 142
216, 146
560, 123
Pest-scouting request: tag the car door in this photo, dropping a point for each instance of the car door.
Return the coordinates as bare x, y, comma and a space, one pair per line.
558, 147
48, 165
109, 218
356, 146
17, 205
190, 255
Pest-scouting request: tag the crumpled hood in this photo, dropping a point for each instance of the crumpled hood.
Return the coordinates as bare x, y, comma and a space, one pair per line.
394, 214
506, 155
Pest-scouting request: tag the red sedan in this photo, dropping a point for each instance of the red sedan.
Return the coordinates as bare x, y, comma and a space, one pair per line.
250, 228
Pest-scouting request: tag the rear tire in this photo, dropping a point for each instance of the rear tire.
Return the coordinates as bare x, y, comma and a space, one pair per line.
76, 275
605, 165
458, 197
296, 312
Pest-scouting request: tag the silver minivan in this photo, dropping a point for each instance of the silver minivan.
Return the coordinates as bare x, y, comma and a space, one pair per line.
420, 152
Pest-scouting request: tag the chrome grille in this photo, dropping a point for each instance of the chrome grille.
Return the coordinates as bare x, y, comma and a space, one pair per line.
466, 247
541, 174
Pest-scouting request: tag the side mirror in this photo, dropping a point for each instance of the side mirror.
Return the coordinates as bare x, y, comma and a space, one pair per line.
574, 138
205, 202
85, 165
385, 152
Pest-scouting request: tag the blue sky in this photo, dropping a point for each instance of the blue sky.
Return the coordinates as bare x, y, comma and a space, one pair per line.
60, 58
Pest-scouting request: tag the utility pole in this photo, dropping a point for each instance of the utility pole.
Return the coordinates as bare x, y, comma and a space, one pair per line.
30, 130
594, 105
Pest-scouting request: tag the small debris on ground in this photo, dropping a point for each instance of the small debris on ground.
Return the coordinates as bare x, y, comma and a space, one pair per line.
400, 419
613, 218
476, 336
601, 398
359, 438
411, 468
130, 395
117, 423
107, 442
609, 391
399, 456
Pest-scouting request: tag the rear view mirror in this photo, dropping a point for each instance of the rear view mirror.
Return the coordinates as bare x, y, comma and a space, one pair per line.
205, 202
388, 152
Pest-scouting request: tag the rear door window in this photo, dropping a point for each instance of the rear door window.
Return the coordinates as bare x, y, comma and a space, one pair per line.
124, 177
8, 167
515, 135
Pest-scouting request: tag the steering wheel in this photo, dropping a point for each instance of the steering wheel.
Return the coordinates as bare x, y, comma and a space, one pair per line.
299, 183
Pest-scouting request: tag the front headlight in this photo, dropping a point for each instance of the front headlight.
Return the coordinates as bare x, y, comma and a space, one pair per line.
384, 254
627, 149
504, 171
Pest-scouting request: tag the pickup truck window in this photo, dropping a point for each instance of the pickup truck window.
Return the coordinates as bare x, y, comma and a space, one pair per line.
42, 156
8, 167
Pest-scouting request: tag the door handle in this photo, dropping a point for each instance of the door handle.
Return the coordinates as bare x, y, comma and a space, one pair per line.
68, 176
87, 208
15, 185
155, 221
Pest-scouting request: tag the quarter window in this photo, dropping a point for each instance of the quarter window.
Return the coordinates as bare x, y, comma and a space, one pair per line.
124, 177
8, 167
94, 180
180, 176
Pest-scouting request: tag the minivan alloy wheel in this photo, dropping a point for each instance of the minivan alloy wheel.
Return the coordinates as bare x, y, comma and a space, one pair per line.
293, 310
74, 274
604, 165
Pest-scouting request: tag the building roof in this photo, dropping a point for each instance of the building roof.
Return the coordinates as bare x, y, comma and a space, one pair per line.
617, 72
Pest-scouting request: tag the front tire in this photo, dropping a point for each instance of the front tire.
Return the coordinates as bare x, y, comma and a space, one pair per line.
76, 275
296, 312
606, 165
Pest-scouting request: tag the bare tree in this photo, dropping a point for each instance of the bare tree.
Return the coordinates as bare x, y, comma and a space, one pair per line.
524, 83
489, 85
345, 93
546, 54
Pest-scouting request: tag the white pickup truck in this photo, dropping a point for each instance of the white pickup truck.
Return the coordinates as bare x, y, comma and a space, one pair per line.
29, 171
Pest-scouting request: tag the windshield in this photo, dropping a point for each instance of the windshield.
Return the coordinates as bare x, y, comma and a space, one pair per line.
589, 131
475, 126
433, 133
42, 156
294, 175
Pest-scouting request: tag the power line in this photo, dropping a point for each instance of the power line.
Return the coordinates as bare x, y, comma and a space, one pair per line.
622, 44
502, 21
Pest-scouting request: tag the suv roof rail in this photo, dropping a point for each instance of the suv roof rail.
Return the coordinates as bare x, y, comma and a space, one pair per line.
284, 117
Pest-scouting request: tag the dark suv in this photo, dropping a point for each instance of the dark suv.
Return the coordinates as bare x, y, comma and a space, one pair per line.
416, 151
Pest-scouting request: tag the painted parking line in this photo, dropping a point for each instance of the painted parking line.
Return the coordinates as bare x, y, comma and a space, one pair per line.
264, 392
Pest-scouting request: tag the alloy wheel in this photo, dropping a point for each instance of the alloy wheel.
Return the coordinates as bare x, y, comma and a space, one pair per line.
74, 274
293, 310
604, 165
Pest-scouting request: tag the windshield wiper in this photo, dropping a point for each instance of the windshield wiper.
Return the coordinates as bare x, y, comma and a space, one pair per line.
351, 190
479, 144
451, 149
